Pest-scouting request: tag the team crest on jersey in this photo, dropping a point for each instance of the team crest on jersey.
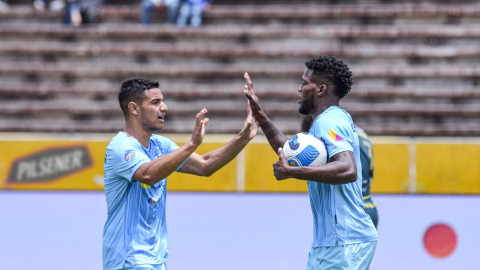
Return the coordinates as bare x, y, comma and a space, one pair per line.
152, 201
129, 155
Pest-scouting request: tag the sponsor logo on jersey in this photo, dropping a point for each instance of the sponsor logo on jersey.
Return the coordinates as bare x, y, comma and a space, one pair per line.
129, 155
334, 136
49, 164
152, 201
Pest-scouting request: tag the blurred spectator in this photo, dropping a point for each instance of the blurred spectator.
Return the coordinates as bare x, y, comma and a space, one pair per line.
149, 5
89, 10
3, 5
72, 13
48, 4
193, 10
78, 12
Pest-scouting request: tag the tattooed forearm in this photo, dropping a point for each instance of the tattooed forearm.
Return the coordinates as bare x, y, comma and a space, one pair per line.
275, 138
272, 134
266, 126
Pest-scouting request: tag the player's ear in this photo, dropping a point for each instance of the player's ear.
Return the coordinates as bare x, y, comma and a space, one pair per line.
133, 108
321, 90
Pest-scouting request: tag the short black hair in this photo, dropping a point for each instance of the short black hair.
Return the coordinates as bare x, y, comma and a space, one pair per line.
134, 90
333, 70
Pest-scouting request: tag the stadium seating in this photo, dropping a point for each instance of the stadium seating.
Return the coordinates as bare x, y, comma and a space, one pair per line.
415, 65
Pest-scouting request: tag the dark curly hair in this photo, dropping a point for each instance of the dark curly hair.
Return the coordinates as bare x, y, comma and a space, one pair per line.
134, 90
333, 70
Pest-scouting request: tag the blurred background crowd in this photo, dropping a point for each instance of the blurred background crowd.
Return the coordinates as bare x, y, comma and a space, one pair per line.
78, 12
414, 63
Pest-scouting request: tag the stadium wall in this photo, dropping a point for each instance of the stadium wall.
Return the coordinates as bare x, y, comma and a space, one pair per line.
33, 161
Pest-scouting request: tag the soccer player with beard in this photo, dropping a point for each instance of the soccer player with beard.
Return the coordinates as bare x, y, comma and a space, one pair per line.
137, 164
344, 236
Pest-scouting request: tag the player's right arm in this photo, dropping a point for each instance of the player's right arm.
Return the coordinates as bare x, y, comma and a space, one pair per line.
154, 171
338, 136
275, 137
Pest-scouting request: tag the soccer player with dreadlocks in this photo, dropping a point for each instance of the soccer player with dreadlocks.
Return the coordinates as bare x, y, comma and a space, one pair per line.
344, 236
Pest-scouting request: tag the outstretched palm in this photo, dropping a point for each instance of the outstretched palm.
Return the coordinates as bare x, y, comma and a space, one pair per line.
250, 127
199, 129
252, 97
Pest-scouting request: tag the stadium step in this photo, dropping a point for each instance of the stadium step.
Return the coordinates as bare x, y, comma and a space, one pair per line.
241, 33
183, 91
232, 108
182, 70
226, 125
276, 13
100, 49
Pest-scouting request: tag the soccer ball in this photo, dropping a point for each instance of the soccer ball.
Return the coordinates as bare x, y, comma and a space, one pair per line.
303, 149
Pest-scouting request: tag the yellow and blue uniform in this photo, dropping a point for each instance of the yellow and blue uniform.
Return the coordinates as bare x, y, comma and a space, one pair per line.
135, 232
366, 156
338, 216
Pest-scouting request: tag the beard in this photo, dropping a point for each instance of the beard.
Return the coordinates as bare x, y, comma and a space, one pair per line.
148, 124
307, 106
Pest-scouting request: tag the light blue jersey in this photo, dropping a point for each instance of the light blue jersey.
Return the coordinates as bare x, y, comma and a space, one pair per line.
135, 231
338, 213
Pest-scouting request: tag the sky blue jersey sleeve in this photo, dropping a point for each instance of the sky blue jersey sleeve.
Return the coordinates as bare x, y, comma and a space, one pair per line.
169, 147
127, 157
335, 135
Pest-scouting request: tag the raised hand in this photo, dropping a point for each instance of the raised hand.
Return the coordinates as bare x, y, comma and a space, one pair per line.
275, 138
281, 166
199, 129
250, 126
253, 99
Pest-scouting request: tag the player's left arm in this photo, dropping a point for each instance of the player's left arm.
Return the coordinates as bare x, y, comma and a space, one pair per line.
206, 165
274, 136
341, 170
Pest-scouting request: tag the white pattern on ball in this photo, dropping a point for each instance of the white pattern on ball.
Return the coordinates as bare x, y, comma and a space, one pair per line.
304, 149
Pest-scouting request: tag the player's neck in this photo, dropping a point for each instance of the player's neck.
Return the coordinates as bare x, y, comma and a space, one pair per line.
323, 106
135, 130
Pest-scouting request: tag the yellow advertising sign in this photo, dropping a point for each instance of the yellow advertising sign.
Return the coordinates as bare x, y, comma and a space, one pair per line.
52, 165
64, 162
75, 162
